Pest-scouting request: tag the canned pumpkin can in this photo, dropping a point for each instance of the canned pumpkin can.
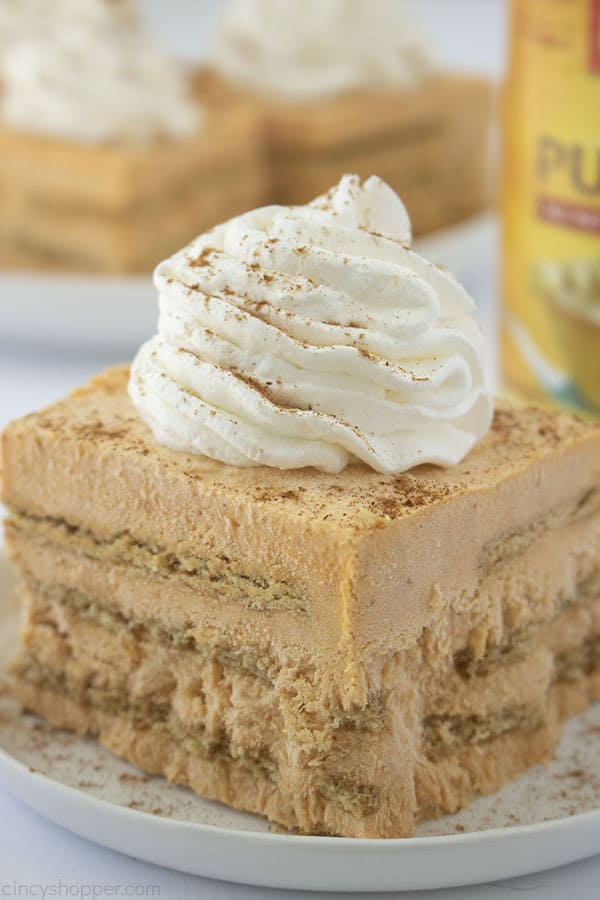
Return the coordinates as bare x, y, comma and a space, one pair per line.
550, 206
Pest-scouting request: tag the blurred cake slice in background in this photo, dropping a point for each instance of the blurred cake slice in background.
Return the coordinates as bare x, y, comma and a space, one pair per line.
348, 86
108, 161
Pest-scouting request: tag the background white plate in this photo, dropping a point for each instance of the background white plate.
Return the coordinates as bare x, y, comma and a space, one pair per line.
547, 818
90, 312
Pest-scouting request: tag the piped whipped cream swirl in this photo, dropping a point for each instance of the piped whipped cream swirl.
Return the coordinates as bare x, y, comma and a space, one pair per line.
313, 336
319, 48
94, 76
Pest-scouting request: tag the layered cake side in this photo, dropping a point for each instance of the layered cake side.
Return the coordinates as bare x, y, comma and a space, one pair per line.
344, 653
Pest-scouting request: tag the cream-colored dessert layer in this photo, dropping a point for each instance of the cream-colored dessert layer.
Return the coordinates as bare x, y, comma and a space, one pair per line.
212, 578
312, 336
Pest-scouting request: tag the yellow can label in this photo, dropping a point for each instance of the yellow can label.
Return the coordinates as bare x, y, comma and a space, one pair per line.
551, 203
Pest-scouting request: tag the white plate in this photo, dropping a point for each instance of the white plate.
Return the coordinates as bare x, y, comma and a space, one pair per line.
85, 312
84, 788
91, 312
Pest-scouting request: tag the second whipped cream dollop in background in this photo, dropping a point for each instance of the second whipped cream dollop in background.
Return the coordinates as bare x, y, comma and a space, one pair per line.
86, 71
313, 336
318, 49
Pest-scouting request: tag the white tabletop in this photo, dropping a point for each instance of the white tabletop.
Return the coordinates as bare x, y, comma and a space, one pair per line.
40, 859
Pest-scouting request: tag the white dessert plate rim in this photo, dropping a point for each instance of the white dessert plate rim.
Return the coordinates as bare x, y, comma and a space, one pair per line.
394, 844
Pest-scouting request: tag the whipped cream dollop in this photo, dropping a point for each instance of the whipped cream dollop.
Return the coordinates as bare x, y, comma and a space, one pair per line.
19, 18
319, 48
91, 74
314, 336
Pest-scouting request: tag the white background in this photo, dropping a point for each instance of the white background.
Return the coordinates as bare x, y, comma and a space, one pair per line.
469, 34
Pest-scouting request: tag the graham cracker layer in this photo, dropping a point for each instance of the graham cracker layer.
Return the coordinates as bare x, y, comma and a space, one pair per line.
205, 573
584, 659
443, 734
516, 542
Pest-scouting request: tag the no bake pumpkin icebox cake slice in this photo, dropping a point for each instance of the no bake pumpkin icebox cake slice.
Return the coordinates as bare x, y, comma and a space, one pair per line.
293, 559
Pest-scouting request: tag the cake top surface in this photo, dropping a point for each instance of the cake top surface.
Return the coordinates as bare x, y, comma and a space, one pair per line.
101, 414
